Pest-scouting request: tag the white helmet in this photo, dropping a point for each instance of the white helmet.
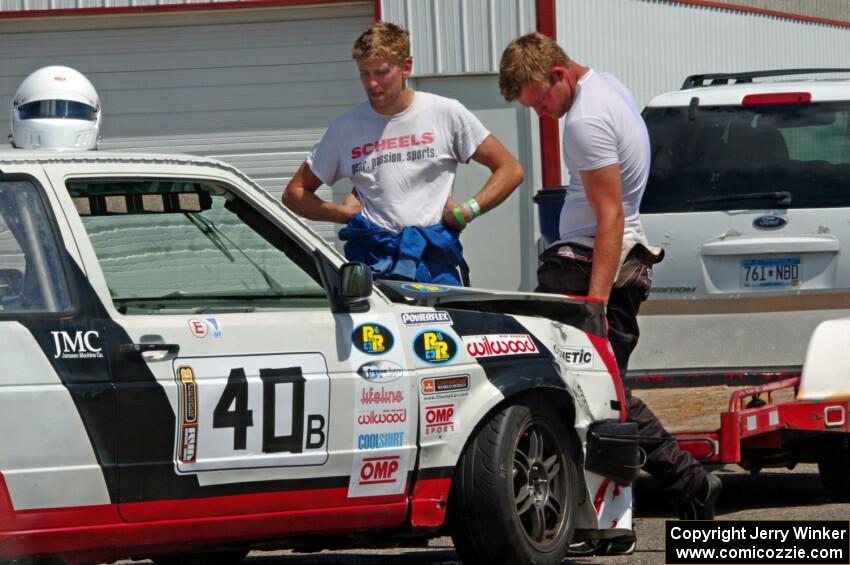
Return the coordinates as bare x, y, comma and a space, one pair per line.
55, 108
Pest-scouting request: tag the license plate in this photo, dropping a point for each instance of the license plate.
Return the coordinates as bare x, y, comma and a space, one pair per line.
770, 273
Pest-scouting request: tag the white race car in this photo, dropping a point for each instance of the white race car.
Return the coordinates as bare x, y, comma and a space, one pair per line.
188, 371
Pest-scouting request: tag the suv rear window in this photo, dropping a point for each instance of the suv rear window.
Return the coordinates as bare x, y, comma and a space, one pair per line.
739, 158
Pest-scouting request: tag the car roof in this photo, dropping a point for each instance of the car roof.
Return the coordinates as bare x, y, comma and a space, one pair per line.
821, 90
42, 156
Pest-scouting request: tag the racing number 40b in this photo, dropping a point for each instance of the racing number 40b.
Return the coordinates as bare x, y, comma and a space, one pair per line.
232, 411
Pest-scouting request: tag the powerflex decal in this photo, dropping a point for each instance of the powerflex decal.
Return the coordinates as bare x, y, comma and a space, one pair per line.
372, 339
434, 346
426, 318
497, 345
575, 357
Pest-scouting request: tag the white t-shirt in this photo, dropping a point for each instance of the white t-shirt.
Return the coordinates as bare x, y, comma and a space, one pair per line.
402, 166
604, 127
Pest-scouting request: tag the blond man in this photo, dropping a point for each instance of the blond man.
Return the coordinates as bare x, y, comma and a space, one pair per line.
602, 251
400, 149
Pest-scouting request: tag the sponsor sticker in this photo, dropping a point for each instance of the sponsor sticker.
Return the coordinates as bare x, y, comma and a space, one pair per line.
499, 345
380, 395
380, 441
425, 288
77, 345
425, 318
434, 346
440, 420
199, 328
215, 326
372, 339
578, 357
375, 474
438, 385
380, 371
385, 416
188, 391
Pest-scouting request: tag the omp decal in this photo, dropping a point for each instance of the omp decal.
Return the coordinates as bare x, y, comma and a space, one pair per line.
438, 385
372, 339
425, 288
77, 345
576, 357
375, 473
380, 395
440, 420
434, 346
259, 411
199, 328
380, 441
426, 318
496, 345
188, 393
380, 371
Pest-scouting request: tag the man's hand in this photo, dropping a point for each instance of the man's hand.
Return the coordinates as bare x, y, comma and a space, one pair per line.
602, 187
449, 218
300, 197
351, 205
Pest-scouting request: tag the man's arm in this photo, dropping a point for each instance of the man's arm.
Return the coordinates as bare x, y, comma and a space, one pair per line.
602, 187
506, 175
300, 197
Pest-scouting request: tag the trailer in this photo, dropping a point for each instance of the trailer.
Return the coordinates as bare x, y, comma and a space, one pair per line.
759, 430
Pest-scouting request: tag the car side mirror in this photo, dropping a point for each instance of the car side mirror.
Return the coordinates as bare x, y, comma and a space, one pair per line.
355, 282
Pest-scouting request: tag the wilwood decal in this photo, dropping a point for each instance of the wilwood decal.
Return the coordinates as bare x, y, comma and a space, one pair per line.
495, 345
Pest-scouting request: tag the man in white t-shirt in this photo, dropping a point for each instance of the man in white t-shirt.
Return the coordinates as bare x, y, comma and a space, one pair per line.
400, 149
602, 251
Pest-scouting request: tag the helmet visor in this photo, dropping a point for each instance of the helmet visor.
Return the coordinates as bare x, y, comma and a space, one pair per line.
67, 109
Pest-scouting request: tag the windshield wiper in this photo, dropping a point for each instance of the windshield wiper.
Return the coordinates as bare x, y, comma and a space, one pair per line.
205, 228
782, 197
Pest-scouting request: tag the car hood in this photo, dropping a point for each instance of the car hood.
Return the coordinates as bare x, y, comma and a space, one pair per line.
581, 312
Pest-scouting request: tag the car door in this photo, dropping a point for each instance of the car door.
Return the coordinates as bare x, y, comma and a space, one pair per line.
238, 389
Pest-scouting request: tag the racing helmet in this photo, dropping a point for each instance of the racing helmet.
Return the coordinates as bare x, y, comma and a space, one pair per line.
56, 108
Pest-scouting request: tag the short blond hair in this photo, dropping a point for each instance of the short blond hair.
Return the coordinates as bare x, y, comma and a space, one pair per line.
382, 40
528, 59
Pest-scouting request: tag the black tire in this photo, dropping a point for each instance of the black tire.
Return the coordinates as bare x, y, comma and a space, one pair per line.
233, 557
834, 467
515, 490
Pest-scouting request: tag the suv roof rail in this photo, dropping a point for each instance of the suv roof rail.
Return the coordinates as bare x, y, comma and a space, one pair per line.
694, 81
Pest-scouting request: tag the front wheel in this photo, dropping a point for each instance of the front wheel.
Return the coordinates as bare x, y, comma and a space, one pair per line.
515, 490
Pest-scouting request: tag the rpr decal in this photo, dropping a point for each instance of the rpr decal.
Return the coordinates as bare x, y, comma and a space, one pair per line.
372, 339
434, 346
424, 288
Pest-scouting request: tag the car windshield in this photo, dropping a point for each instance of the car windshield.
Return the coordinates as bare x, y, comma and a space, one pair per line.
166, 244
748, 157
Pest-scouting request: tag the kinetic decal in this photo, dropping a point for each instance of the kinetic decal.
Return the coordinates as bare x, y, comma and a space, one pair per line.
380, 371
426, 318
575, 357
496, 345
372, 339
188, 435
425, 288
434, 346
256, 411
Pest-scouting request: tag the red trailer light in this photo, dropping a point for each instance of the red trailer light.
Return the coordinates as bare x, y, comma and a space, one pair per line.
777, 98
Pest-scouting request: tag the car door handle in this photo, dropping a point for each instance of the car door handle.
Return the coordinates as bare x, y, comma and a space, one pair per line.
130, 349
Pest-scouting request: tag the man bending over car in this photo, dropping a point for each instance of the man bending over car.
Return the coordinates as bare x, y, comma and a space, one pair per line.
400, 149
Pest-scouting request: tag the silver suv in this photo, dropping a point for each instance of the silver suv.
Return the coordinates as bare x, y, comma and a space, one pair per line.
749, 196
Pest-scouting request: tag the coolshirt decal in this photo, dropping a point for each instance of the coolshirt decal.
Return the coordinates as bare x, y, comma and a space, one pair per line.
434, 346
372, 339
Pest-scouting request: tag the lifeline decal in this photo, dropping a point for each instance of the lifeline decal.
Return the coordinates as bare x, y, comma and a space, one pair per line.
372, 339
495, 345
434, 346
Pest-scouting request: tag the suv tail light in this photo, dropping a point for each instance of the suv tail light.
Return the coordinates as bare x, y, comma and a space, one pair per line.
777, 98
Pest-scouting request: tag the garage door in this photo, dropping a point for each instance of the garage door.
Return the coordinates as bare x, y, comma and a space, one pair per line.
252, 87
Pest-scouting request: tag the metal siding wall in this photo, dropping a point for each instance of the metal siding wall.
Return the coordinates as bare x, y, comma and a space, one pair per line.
451, 37
255, 89
652, 45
